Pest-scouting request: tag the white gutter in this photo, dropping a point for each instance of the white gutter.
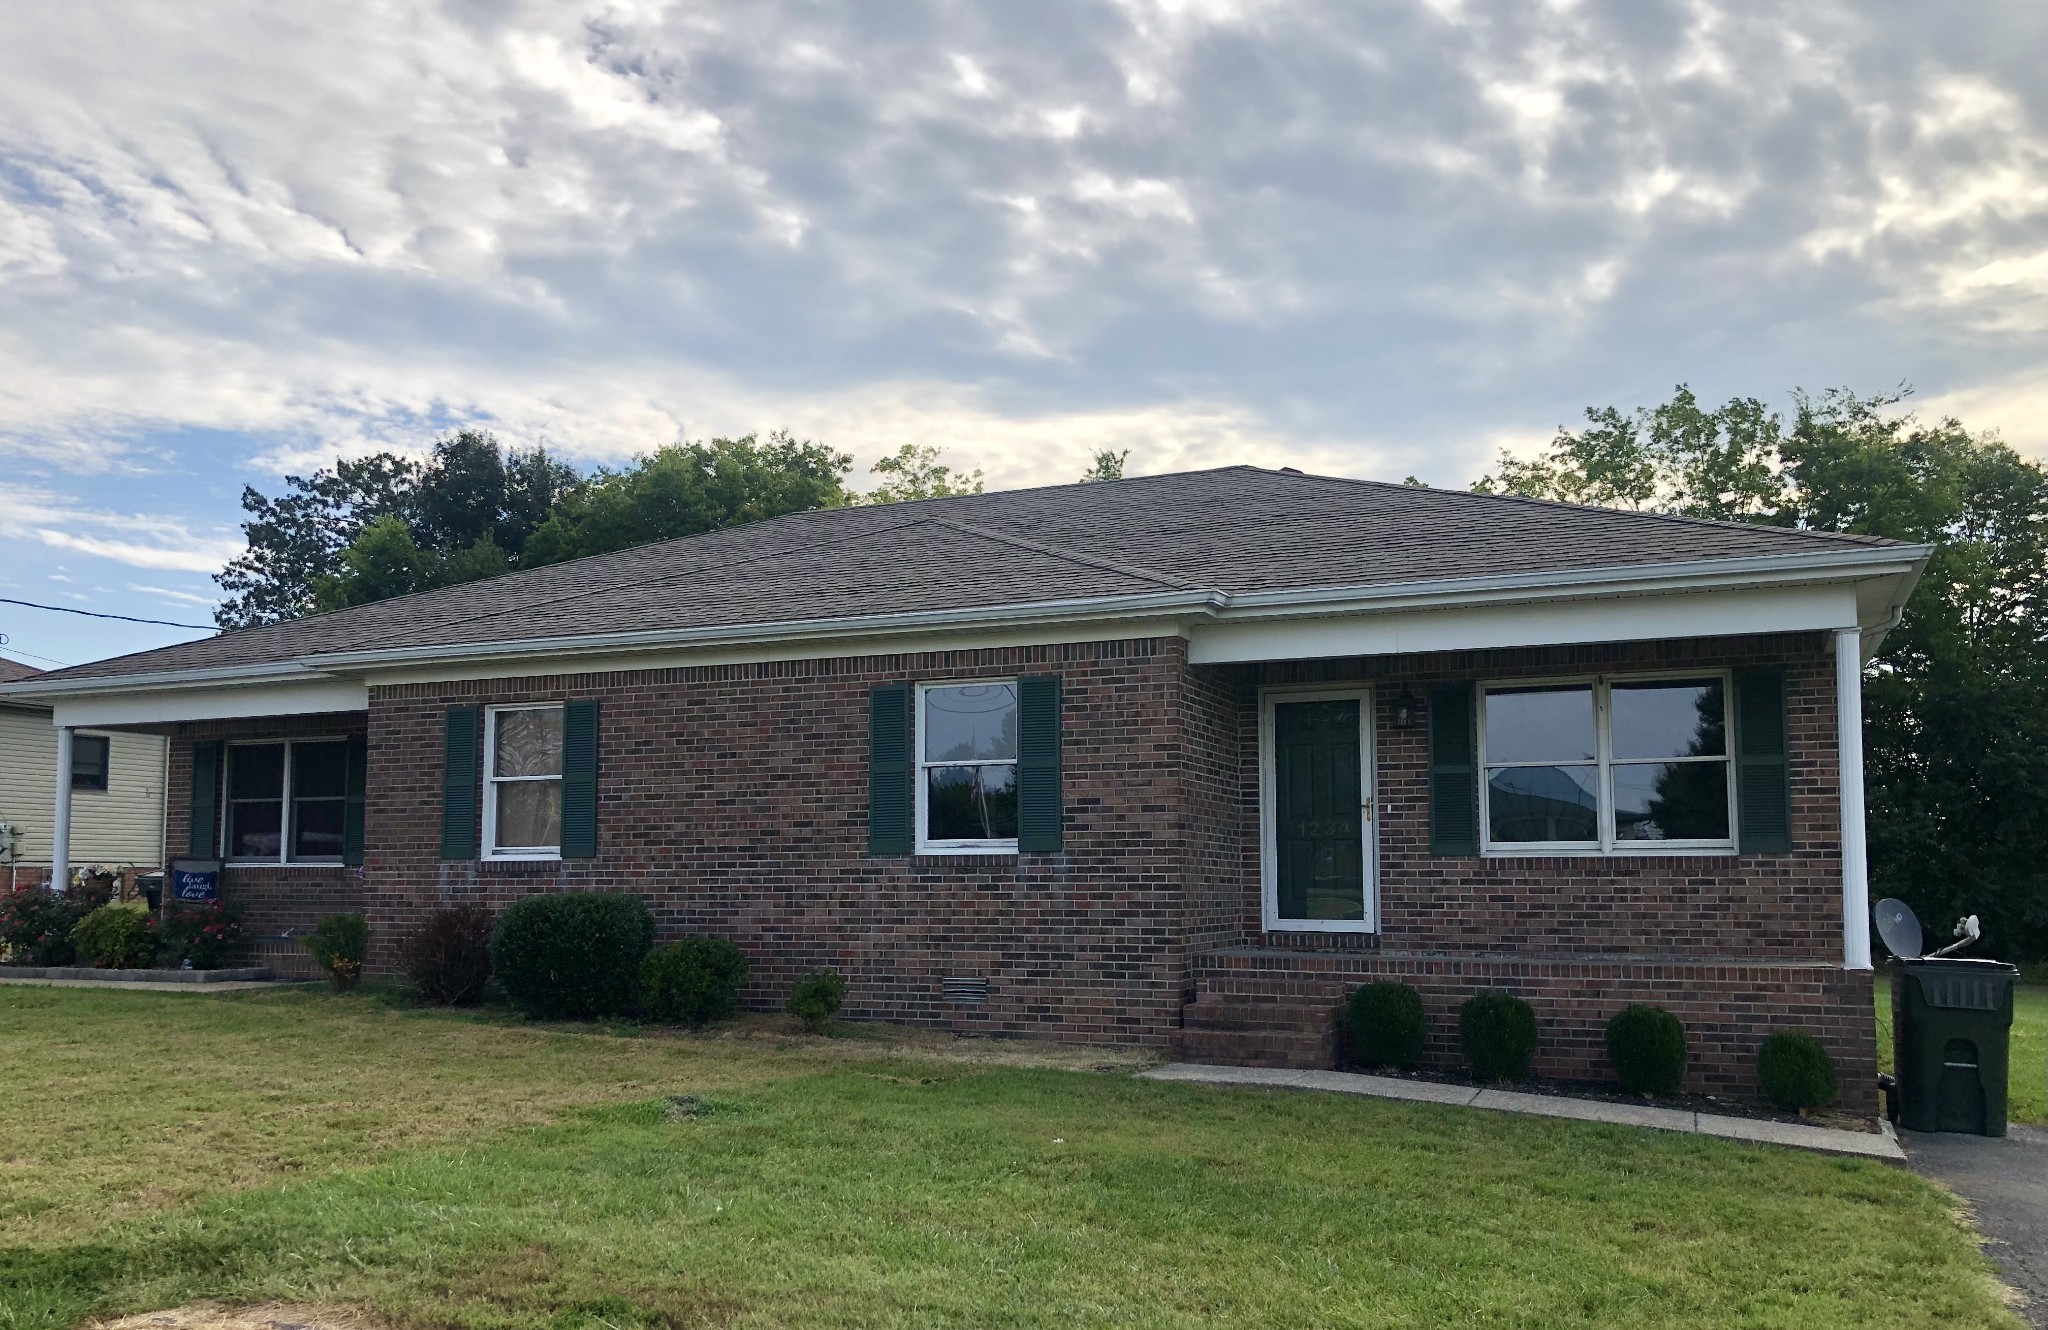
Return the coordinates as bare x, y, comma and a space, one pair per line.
1209, 605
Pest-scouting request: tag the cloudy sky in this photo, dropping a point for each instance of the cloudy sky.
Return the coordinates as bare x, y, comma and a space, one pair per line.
1363, 237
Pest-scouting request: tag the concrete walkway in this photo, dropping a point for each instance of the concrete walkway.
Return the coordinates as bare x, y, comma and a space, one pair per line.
157, 986
2006, 1183
1828, 1140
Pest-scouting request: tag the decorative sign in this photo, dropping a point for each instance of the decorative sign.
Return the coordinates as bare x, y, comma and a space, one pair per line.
195, 881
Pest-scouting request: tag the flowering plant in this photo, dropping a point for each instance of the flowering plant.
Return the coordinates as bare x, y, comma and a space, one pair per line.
197, 937
36, 924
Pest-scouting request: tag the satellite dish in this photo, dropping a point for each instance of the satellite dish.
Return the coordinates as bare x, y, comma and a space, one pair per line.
1899, 927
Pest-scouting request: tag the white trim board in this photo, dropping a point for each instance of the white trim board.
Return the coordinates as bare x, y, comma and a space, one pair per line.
1554, 623
247, 700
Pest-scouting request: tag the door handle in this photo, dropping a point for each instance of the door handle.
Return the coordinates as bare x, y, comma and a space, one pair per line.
1365, 810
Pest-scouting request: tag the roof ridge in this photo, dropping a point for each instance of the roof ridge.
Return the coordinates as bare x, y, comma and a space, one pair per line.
1071, 555
1719, 523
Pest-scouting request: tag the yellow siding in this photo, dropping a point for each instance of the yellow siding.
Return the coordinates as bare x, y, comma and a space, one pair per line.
118, 826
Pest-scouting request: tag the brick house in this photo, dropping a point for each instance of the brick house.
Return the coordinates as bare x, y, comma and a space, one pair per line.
1175, 761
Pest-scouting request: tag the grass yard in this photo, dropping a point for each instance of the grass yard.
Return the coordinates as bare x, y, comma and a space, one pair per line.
2027, 1090
430, 1169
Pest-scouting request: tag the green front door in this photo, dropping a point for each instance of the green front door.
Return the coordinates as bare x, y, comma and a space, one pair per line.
1320, 812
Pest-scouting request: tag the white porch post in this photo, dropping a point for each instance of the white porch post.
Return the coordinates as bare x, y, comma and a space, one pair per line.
1849, 740
60, 835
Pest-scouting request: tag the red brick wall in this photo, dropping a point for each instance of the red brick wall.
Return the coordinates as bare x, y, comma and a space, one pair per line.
1753, 907
1736, 945
278, 902
734, 798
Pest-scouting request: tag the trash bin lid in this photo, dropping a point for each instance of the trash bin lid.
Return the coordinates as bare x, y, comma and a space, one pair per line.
1962, 984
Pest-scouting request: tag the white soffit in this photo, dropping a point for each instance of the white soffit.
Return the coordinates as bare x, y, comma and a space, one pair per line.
176, 704
1528, 623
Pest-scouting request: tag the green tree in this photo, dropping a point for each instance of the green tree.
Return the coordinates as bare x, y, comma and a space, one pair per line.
384, 561
297, 538
1108, 465
916, 472
1956, 706
689, 488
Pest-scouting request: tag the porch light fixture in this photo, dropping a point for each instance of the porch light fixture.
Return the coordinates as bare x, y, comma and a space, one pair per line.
1405, 706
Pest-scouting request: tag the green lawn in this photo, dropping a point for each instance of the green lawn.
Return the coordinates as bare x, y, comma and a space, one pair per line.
439, 1170
2027, 1090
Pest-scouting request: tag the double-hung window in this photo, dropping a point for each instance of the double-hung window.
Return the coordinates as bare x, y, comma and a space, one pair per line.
967, 768
523, 782
1627, 764
286, 801
89, 754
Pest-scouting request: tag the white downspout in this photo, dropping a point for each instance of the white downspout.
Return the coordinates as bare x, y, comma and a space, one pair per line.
60, 834
1855, 854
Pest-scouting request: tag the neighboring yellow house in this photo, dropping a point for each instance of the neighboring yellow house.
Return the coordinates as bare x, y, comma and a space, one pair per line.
117, 792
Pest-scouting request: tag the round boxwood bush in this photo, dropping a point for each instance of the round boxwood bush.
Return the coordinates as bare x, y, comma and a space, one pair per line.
448, 957
1498, 1031
1383, 1025
115, 937
693, 980
817, 998
1796, 1072
1646, 1044
577, 954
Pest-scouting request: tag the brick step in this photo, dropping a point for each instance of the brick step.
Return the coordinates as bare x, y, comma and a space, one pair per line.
1230, 1011
1256, 1048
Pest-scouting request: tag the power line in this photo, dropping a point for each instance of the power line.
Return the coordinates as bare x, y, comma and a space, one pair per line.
17, 651
95, 614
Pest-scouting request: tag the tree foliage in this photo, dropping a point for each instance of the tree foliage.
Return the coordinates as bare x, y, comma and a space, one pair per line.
686, 489
1956, 706
915, 472
1108, 465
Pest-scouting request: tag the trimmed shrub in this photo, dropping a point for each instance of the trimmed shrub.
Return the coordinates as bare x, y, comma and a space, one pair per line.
36, 924
693, 980
197, 937
339, 946
1498, 1031
576, 954
115, 937
1383, 1025
1646, 1044
817, 998
448, 958
1796, 1072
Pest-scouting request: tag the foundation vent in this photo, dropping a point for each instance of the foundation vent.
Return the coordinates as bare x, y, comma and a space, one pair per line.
961, 989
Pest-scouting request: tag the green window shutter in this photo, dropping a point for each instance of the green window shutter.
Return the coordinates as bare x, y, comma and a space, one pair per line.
1041, 812
202, 840
889, 770
352, 809
459, 753
1453, 770
1763, 784
579, 779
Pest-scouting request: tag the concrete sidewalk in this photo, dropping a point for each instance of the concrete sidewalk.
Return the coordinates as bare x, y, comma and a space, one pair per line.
1827, 1140
158, 986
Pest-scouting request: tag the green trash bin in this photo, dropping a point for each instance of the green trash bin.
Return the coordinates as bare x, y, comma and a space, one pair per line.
1951, 1036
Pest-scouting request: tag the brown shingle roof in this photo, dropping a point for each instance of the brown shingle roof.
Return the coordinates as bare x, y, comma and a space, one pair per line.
1237, 529
10, 670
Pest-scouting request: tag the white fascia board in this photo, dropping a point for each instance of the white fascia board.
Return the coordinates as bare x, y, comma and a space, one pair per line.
224, 676
164, 706
1545, 623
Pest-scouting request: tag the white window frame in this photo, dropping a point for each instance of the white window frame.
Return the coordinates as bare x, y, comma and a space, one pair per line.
492, 781
919, 766
1604, 762
284, 821
1269, 832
